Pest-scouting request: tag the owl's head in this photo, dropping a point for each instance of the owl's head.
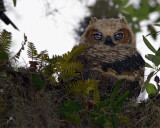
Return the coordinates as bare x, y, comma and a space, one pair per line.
108, 32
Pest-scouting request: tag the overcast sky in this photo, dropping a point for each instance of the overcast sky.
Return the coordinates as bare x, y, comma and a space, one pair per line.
54, 33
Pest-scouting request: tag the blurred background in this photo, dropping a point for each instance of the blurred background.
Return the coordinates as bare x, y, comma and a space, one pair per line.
57, 25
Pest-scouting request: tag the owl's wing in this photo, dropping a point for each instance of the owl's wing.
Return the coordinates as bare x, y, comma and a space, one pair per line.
128, 64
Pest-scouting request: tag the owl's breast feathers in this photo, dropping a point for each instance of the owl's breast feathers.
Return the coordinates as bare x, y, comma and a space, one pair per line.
122, 62
128, 64
111, 64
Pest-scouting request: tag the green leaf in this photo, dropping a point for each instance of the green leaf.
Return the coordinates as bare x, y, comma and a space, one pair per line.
153, 58
153, 31
148, 65
5, 44
151, 89
154, 34
121, 99
32, 52
116, 89
124, 2
5, 41
115, 121
158, 52
149, 57
129, 9
147, 43
157, 25
156, 60
71, 106
74, 118
37, 81
14, 2
3, 57
106, 102
147, 81
100, 121
21, 49
70, 111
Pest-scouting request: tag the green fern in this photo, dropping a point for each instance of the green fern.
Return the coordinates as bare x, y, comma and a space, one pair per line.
32, 52
84, 87
76, 87
43, 59
70, 111
109, 111
5, 40
68, 66
69, 71
43, 56
50, 67
76, 51
96, 95
22, 48
37, 81
5, 44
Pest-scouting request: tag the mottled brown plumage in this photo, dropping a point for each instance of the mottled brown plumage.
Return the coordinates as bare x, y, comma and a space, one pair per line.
112, 55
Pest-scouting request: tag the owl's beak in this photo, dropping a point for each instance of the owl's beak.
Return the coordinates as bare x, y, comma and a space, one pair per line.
108, 41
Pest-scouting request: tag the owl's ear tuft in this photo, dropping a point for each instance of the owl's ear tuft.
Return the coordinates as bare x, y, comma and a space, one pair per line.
123, 20
93, 20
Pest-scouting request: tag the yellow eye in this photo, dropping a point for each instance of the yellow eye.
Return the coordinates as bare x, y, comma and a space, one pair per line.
97, 36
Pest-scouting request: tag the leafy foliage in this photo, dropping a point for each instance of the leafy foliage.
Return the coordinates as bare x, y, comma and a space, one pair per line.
5, 44
83, 88
107, 112
70, 111
14, 2
37, 81
149, 45
69, 71
32, 52
151, 89
21, 49
155, 60
68, 66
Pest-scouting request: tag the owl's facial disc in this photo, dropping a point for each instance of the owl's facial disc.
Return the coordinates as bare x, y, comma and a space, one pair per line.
108, 41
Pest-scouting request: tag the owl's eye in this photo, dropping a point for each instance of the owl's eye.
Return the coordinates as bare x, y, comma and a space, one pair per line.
97, 36
118, 36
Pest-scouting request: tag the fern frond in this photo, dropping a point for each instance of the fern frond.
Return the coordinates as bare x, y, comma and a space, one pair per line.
96, 95
68, 75
76, 87
92, 84
72, 65
68, 66
5, 41
76, 51
5, 44
43, 56
84, 87
32, 52
69, 70
21, 49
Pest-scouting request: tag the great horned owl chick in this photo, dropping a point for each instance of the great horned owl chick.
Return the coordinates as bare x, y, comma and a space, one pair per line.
112, 56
